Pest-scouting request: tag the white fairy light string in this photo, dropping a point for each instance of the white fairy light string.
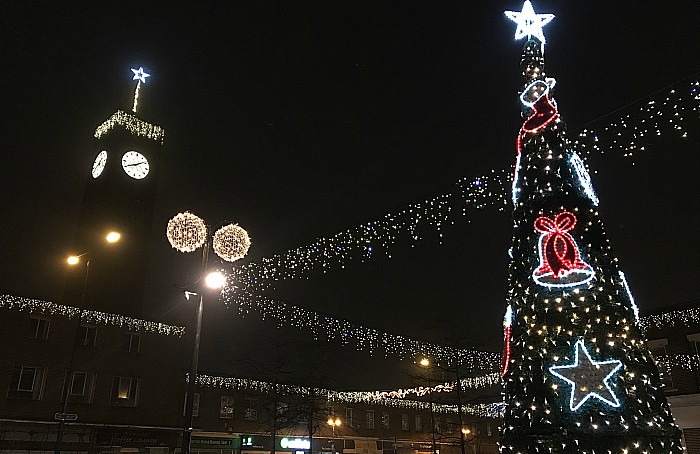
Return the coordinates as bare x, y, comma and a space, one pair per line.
626, 135
133, 124
682, 361
362, 337
649, 118
104, 318
490, 410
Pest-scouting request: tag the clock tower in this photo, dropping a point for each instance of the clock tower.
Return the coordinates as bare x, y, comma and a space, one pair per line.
119, 197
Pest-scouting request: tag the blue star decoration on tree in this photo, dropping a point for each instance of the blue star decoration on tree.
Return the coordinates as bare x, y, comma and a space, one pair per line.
140, 74
529, 23
588, 378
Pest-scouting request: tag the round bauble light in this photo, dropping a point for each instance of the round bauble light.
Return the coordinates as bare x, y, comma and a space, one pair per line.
186, 232
231, 242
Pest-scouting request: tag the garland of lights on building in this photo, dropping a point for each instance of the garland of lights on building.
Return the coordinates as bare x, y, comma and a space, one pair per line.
133, 124
490, 410
46, 307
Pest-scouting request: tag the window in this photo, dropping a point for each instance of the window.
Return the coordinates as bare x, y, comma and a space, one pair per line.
226, 408
658, 348
404, 422
348, 417
125, 391
449, 426
39, 328
26, 382
694, 340
132, 342
251, 409
282, 410
385, 420
195, 405
419, 423
302, 414
86, 335
370, 419
79, 387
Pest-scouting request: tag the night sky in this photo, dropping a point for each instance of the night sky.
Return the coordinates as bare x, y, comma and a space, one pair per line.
300, 119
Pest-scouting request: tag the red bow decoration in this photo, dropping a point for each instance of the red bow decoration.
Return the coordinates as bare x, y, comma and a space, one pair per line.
559, 253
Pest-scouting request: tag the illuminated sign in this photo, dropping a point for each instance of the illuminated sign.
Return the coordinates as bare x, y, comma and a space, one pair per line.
295, 443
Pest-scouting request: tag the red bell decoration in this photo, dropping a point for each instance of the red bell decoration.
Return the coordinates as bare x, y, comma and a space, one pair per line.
560, 261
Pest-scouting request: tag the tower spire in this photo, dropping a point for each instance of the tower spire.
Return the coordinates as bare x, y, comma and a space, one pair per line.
140, 75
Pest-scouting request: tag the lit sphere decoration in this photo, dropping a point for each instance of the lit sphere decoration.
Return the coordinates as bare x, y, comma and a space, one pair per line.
231, 242
186, 232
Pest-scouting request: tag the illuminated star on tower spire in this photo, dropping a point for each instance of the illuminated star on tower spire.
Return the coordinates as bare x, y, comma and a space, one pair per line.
140, 74
529, 23
588, 378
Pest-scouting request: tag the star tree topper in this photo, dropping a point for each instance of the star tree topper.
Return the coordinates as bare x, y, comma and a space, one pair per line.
588, 378
529, 23
140, 74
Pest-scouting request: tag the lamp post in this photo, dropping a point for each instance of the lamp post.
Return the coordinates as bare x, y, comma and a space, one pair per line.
466, 431
187, 233
73, 260
333, 423
426, 363
213, 280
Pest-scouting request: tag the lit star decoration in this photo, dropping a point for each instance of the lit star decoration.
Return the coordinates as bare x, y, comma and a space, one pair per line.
529, 24
140, 74
588, 378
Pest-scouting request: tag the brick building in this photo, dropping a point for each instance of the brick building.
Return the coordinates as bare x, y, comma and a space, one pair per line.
125, 382
674, 339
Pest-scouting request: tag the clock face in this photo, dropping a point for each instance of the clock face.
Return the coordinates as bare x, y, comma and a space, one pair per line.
99, 165
135, 164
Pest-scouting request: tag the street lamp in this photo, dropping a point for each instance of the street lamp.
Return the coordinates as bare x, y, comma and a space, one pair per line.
334, 423
73, 260
187, 233
425, 362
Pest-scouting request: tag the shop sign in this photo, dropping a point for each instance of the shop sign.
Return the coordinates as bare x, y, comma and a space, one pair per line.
134, 438
255, 443
295, 444
214, 443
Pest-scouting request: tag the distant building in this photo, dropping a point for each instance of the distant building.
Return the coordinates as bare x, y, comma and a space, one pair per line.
125, 384
115, 381
674, 339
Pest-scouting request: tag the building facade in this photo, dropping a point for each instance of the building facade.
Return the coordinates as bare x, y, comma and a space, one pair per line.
109, 378
674, 339
119, 385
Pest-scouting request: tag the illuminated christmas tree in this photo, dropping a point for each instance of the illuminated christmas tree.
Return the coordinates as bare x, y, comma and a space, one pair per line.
578, 376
